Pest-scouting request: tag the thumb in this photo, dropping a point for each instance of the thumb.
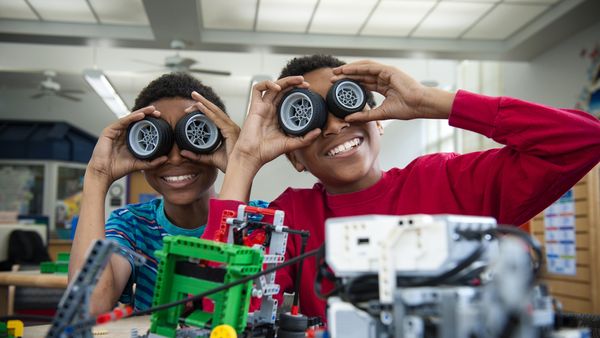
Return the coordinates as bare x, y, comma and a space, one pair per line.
206, 159
302, 141
145, 165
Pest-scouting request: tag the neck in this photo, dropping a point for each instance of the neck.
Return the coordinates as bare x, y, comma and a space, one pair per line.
189, 216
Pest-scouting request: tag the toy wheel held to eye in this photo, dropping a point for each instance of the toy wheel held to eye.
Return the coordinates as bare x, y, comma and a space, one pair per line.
197, 133
346, 97
149, 138
301, 111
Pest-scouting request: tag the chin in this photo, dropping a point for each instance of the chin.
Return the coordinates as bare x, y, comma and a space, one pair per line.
181, 200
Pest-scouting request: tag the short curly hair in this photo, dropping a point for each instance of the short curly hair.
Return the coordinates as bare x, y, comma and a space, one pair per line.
174, 85
305, 64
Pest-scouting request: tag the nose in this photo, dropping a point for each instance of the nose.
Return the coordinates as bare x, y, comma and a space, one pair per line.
174, 157
334, 125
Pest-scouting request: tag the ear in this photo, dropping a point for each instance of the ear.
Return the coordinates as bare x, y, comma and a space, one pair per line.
380, 127
294, 160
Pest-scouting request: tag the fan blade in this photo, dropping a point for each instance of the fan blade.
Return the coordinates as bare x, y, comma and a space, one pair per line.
147, 62
186, 63
68, 97
72, 91
37, 96
210, 71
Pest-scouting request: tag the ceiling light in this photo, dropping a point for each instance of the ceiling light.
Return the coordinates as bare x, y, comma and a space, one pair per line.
98, 81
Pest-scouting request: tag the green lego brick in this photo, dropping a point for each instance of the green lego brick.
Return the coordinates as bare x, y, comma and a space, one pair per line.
51, 267
63, 257
47, 267
232, 263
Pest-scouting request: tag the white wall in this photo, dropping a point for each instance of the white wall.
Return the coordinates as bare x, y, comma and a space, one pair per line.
556, 77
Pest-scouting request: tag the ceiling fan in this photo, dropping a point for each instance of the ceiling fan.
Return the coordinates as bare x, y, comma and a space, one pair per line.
178, 63
49, 86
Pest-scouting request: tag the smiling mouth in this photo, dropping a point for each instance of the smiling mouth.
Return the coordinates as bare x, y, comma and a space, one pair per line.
180, 178
345, 147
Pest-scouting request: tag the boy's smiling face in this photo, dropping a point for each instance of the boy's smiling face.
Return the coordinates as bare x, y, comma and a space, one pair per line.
179, 180
345, 156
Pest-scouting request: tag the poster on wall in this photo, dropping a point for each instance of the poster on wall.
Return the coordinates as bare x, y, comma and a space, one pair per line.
559, 225
589, 99
16, 183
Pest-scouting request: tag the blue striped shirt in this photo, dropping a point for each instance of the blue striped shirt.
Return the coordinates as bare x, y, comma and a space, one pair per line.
141, 228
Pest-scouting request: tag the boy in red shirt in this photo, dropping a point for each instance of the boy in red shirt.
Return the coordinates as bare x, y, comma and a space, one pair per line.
547, 150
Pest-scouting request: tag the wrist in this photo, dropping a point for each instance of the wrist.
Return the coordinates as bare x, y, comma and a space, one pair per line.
95, 180
237, 181
244, 160
435, 104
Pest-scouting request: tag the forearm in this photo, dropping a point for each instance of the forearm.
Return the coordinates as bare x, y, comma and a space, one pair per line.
237, 182
90, 227
435, 104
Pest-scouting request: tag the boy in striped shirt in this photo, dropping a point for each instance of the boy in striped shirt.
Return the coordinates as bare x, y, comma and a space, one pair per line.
184, 179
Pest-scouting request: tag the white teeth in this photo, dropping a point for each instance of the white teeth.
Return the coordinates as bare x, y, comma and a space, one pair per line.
344, 147
178, 178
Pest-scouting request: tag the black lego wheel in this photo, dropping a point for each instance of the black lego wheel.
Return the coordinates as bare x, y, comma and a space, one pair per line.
301, 111
346, 97
197, 133
149, 138
290, 334
290, 322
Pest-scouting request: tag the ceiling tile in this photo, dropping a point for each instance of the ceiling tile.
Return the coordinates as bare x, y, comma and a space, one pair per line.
228, 14
545, 2
16, 9
284, 15
451, 19
396, 18
340, 16
121, 12
484, 1
504, 20
64, 10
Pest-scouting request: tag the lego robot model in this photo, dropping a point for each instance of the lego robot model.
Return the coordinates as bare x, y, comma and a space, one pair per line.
441, 276
243, 246
74, 305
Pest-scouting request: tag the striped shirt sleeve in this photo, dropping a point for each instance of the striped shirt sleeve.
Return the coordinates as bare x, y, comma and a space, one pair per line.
120, 230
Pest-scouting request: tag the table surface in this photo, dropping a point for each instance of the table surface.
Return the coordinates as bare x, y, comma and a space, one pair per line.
34, 279
118, 329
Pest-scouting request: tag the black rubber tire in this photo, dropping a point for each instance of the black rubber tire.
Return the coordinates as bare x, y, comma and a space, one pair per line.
149, 138
346, 97
301, 111
290, 334
290, 322
197, 133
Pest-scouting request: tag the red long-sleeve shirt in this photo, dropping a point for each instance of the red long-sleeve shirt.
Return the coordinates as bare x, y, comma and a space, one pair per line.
547, 150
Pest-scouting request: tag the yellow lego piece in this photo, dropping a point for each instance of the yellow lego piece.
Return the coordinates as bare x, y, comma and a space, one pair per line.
223, 331
16, 327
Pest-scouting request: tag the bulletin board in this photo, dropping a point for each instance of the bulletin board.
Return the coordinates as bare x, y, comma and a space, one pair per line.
579, 292
139, 190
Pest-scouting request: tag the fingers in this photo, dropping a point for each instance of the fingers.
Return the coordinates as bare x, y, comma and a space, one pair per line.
364, 67
137, 115
293, 143
199, 158
284, 84
208, 108
215, 114
367, 115
363, 79
147, 165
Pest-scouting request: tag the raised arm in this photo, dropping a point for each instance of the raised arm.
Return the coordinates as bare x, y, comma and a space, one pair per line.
110, 161
547, 149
